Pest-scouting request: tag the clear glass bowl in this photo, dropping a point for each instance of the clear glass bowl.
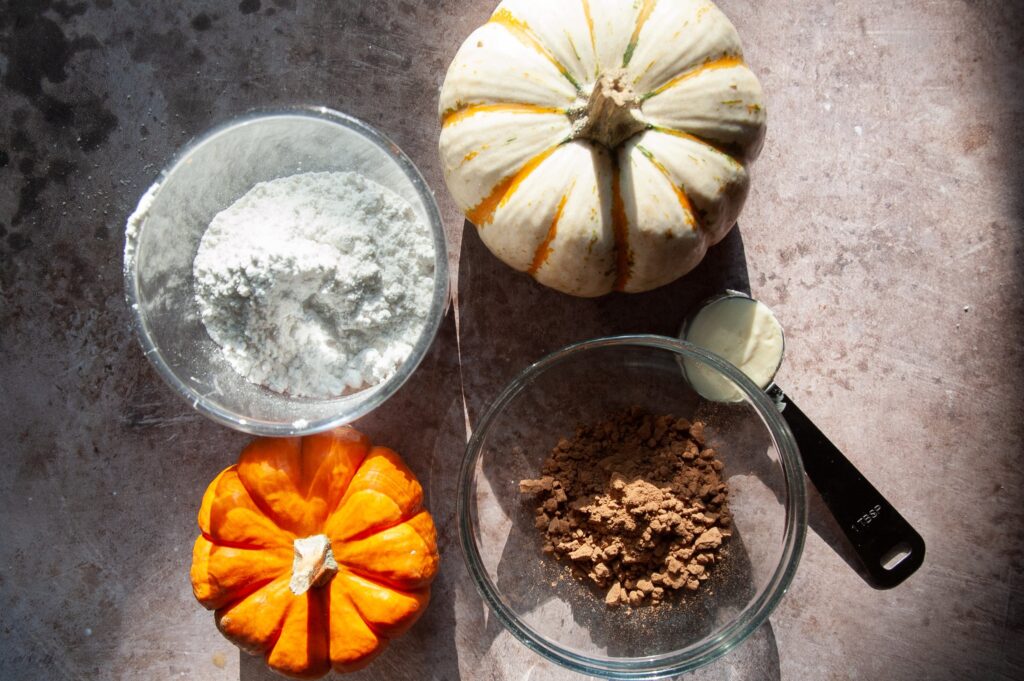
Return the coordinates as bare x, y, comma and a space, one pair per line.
564, 619
163, 237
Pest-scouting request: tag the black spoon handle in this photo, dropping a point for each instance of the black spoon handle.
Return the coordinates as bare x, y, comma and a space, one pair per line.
877, 531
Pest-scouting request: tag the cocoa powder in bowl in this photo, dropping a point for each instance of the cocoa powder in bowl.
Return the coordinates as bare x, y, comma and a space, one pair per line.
636, 504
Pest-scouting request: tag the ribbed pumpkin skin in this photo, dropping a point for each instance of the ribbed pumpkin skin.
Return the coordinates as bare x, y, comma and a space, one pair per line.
577, 215
365, 500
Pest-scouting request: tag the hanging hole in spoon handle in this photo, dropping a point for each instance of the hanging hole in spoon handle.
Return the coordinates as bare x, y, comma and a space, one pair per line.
887, 546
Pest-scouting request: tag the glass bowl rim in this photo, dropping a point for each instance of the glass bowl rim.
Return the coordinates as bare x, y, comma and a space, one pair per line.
705, 651
376, 395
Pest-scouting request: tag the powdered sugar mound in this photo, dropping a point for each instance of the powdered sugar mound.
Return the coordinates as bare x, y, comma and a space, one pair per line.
316, 284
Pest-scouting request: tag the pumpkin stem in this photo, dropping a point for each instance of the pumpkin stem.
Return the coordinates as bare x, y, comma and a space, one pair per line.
612, 114
314, 564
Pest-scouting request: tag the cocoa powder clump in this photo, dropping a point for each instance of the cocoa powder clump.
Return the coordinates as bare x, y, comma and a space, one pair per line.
636, 504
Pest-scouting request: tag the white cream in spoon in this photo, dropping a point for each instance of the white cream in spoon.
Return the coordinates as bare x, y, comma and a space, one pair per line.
742, 331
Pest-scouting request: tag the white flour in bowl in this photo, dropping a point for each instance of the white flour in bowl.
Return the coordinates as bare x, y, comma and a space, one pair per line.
316, 284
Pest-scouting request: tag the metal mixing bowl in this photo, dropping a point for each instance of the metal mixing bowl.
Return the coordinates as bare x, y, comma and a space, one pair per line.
163, 236
564, 619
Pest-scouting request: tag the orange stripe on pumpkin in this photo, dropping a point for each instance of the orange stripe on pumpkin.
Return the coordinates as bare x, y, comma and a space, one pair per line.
641, 19
590, 27
684, 200
483, 212
721, 63
522, 32
620, 229
453, 117
545, 250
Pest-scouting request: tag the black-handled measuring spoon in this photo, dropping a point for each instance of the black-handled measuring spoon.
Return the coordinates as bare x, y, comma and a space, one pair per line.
888, 548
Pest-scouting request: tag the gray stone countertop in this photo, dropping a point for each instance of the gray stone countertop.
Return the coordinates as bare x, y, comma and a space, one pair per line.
884, 227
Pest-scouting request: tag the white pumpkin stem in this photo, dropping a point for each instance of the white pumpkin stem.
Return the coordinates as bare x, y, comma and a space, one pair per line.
314, 564
612, 114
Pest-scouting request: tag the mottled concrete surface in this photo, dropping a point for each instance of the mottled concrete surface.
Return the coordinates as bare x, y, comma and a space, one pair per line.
884, 227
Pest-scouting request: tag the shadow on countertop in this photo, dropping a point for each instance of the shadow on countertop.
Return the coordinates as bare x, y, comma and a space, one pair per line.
999, 64
507, 320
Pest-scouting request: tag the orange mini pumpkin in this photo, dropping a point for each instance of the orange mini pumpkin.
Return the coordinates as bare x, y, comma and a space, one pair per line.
314, 551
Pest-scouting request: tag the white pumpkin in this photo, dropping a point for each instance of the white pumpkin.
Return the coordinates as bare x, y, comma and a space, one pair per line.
601, 145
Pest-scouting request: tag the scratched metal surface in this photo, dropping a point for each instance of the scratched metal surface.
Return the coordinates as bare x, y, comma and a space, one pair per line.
884, 227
